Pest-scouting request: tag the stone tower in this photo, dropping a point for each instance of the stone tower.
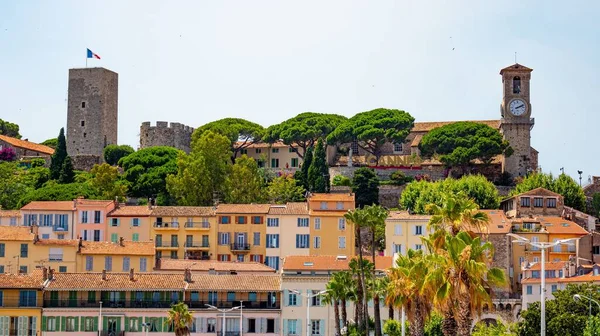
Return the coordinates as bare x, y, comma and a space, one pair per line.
92, 112
164, 134
516, 122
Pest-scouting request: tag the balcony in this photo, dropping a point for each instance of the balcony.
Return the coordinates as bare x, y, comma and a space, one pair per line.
60, 228
231, 304
144, 304
190, 245
563, 249
166, 226
166, 245
197, 226
239, 248
16, 302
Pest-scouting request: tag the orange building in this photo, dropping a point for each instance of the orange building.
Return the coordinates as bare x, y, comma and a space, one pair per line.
331, 234
241, 233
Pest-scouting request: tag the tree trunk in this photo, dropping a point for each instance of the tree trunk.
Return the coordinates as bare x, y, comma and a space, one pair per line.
390, 312
449, 323
356, 314
361, 292
464, 320
377, 315
344, 314
417, 324
336, 312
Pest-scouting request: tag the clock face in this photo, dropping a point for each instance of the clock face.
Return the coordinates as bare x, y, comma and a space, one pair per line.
518, 107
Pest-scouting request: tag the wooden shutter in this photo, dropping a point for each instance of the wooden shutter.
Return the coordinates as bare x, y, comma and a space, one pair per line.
285, 330
34, 325
299, 327
322, 327
63, 323
286, 297
277, 326
44, 318
126, 324
76, 324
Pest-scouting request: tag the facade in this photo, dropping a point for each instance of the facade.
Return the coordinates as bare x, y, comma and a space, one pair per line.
241, 232
403, 231
536, 202
183, 232
10, 218
277, 156
213, 267
284, 223
53, 219
121, 256
92, 113
25, 149
164, 134
21, 304
130, 222
91, 223
335, 235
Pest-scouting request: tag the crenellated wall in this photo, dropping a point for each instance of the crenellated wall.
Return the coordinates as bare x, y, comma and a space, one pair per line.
175, 135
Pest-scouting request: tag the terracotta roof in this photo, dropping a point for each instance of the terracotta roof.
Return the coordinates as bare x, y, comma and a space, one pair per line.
397, 215
417, 140
183, 211
328, 263
246, 282
50, 206
219, 266
129, 248
429, 125
590, 277
276, 144
88, 202
345, 197
498, 224
10, 213
61, 242
243, 208
291, 208
517, 67
31, 280
116, 281
32, 146
558, 225
131, 211
20, 233
555, 265
536, 192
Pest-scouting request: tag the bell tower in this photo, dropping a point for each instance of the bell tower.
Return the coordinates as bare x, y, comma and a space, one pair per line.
516, 122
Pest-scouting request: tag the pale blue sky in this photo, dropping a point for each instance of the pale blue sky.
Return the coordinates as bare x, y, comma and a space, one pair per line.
197, 61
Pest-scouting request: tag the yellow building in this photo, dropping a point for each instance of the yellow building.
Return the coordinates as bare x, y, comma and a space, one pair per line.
331, 234
130, 222
403, 231
116, 257
182, 232
10, 217
21, 303
241, 232
284, 223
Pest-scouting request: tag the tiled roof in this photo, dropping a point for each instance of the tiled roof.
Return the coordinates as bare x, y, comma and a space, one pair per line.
88, 202
498, 224
291, 208
246, 282
10, 213
276, 144
328, 263
116, 281
31, 280
218, 266
516, 66
332, 197
32, 146
555, 265
417, 140
184, 211
20, 233
243, 208
590, 277
131, 211
405, 215
128, 248
60, 242
429, 125
558, 225
50, 206
536, 192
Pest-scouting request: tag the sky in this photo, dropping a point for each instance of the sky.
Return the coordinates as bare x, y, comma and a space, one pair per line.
266, 61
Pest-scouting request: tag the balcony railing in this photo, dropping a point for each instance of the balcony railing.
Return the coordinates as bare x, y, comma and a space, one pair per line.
193, 244
112, 333
143, 304
166, 244
10, 302
197, 225
166, 225
231, 304
240, 247
60, 228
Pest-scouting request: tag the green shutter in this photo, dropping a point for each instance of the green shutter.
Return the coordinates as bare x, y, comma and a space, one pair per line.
63, 323
104, 323
95, 323
44, 323
76, 324
126, 324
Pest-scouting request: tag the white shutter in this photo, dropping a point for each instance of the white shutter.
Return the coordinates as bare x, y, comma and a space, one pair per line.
299, 327
277, 326
33, 325
20, 326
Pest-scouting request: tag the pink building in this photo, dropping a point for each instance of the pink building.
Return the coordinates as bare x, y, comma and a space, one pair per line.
91, 223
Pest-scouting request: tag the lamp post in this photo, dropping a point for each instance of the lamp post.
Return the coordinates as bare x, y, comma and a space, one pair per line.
223, 311
578, 297
580, 172
146, 325
308, 297
543, 246
241, 317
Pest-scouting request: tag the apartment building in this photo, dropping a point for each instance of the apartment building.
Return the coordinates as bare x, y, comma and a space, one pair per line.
54, 219
275, 155
334, 235
287, 232
121, 256
131, 222
91, 223
403, 231
21, 303
213, 267
241, 232
10, 218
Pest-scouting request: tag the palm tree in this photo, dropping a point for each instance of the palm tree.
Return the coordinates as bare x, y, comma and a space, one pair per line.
359, 218
458, 212
407, 288
180, 317
332, 296
379, 287
375, 218
345, 287
462, 277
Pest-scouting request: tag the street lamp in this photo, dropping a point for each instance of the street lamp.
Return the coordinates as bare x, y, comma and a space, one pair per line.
223, 311
543, 246
241, 317
146, 325
100, 319
308, 297
578, 297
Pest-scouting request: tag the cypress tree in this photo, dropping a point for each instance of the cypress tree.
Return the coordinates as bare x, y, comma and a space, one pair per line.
59, 156
318, 172
302, 174
67, 175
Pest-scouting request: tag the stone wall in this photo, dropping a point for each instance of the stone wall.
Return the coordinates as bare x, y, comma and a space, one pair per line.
502, 258
164, 134
434, 172
85, 162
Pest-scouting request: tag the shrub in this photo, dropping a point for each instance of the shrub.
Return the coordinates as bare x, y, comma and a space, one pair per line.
341, 180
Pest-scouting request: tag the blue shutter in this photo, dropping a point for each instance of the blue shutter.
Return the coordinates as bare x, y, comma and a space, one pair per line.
322, 327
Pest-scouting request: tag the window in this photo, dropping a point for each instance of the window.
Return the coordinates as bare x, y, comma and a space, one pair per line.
258, 150
13, 221
91, 297
323, 205
554, 288
294, 163
143, 264
270, 326
595, 250
257, 220
47, 220
62, 269
292, 150
397, 248
252, 296
272, 262
224, 220
82, 106
302, 222
2, 249
174, 255
521, 261
108, 263
27, 298
211, 324
536, 259
1, 271
550, 274
70, 323
529, 290
51, 323
272, 240
316, 299
397, 147
551, 202
273, 222
341, 242
84, 217
135, 222
47, 236
240, 219
418, 247
354, 147
256, 258
60, 236
525, 201
244, 151
114, 222
274, 163
275, 150
135, 237
223, 238
23, 269
96, 235
292, 327
114, 237
230, 296
292, 298
317, 223
517, 85
302, 240
317, 243
24, 250
251, 325
126, 264
535, 274
315, 327
88, 324
418, 230
398, 230
538, 202
341, 224
256, 239
223, 257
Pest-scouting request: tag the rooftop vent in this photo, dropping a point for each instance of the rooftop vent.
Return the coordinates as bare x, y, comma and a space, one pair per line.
565, 224
308, 263
341, 257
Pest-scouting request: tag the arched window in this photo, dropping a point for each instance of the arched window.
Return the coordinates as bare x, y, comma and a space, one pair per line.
517, 84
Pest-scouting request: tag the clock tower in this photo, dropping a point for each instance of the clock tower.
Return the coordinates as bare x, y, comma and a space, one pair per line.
516, 122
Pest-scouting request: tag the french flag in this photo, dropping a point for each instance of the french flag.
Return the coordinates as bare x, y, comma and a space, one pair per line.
90, 54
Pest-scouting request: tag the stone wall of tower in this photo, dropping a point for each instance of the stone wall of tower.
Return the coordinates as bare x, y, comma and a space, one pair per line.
92, 111
519, 137
174, 135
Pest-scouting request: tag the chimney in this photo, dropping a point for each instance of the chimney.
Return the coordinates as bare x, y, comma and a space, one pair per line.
79, 245
45, 273
75, 204
122, 241
131, 277
104, 275
51, 274
187, 275
36, 238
